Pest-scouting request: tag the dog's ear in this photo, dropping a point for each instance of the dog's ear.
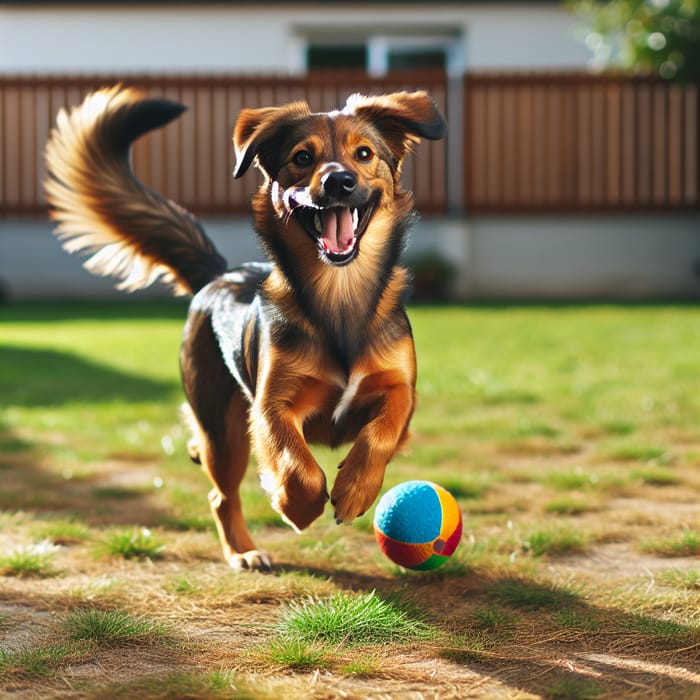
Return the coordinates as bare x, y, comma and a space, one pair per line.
259, 134
401, 117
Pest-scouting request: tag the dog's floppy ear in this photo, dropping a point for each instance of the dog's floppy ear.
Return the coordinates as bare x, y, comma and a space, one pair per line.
259, 133
401, 117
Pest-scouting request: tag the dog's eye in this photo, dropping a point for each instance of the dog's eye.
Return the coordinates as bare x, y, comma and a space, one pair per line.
364, 154
303, 158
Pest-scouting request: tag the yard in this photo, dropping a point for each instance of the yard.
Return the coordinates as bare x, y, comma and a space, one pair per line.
569, 434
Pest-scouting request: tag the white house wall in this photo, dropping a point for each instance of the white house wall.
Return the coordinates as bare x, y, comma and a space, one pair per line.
545, 258
216, 38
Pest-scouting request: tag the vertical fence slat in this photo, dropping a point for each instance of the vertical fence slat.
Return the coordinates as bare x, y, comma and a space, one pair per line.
691, 151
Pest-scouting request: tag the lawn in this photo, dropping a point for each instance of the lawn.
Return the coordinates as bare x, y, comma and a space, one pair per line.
570, 436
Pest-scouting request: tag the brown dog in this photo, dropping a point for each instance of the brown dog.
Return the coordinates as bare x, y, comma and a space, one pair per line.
314, 347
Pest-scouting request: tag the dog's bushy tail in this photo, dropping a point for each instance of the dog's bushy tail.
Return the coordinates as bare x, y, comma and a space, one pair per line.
101, 208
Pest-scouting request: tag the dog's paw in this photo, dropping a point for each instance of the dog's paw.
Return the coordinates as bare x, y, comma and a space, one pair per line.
353, 494
299, 499
254, 560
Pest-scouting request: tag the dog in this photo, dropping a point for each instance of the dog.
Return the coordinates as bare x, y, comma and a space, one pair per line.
313, 346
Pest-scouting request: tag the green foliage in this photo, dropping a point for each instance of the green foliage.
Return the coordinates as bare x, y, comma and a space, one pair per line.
660, 37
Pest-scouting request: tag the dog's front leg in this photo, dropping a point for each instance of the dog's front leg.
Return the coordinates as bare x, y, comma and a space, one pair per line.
288, 470
361, 474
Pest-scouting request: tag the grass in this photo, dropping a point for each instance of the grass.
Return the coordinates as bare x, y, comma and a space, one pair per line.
555, 541
39, 661
131, 544
351, 619
684, 544
30, 560
568, 434
110, 626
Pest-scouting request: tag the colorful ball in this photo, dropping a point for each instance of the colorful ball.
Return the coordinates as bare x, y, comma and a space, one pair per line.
418, 525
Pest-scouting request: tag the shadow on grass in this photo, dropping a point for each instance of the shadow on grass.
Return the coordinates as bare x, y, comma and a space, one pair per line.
38, 378
51, 378
539, 637
127, 308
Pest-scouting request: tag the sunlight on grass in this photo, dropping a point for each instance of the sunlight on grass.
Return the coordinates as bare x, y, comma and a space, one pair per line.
39, 661
110, 626
131, 544
684, 544
554, 541
350, 619
30, 560
560, 430
683, 580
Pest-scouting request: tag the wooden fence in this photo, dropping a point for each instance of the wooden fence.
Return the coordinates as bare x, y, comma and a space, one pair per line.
191, 160
580, 143
523, 143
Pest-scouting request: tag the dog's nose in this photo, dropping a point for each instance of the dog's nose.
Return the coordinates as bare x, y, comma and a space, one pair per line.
340, 184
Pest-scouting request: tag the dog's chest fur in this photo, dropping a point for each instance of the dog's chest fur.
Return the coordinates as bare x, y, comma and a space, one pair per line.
246, 327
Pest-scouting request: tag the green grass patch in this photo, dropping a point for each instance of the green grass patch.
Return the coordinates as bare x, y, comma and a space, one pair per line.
555, 541
684, 544
41, 661
351, 619
131, 544
63, 531
662, 629
657, 476
575, 479
684, 580
298, 655
210, 685
569, 506
30, 560
108, 627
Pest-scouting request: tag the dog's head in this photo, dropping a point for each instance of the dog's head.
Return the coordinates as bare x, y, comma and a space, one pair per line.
328, 176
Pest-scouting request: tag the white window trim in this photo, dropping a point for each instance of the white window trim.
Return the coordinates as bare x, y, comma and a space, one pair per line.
378, 48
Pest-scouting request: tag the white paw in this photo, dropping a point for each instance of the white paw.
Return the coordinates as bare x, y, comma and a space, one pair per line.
254, 560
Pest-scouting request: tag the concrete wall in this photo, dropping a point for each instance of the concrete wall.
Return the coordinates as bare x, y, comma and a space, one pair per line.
238, 37
611, 258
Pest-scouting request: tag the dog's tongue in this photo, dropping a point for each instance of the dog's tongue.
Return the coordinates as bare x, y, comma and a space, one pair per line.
338, 234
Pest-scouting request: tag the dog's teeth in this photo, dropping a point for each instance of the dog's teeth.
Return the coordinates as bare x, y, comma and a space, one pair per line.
317, 223
355, 219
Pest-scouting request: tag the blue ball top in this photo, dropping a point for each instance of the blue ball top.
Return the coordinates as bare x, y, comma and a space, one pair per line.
410, 512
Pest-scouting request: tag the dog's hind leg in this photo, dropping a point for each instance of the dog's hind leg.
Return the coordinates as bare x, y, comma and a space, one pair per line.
224, 457
218, 418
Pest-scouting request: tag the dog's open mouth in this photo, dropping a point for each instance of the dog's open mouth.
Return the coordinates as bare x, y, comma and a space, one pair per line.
336, 230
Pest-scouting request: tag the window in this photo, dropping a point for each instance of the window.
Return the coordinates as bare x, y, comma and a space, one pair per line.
336, 57
408, 59
378, 53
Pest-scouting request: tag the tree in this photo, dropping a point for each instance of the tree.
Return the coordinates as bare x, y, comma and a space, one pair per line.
652, 37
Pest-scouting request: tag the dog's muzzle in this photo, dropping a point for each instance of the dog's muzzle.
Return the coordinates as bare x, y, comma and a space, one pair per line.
336, 228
